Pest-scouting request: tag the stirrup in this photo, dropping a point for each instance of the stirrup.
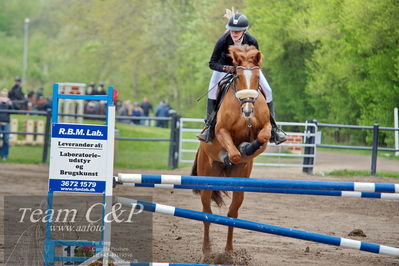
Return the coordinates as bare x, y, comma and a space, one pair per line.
278, 136
204, 135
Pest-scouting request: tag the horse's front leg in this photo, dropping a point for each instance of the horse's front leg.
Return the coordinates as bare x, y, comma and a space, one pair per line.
225, 140
206, 207
266, 133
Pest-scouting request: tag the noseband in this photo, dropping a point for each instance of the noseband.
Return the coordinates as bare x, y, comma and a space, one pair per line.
248, 68
246, 95
243, 96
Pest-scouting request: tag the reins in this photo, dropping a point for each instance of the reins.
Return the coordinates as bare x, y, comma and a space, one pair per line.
225, 79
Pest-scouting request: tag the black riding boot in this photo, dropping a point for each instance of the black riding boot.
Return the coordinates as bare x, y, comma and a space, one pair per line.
205, 134
278, 136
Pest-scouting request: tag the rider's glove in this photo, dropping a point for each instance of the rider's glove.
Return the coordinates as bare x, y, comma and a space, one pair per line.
229, 69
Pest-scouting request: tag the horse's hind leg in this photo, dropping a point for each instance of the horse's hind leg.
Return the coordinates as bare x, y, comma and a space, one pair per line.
238, 198
205, 168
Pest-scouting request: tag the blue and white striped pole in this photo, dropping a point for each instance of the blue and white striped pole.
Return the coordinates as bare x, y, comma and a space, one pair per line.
257, 182
259, 227
348, 194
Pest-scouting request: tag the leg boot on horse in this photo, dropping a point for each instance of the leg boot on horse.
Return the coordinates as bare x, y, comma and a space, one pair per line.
205, 134
278, 136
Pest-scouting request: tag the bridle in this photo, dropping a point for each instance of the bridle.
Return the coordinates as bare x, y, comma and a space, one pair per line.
246, 96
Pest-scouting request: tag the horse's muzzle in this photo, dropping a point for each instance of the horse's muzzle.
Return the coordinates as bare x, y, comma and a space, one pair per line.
247, 109
247, 99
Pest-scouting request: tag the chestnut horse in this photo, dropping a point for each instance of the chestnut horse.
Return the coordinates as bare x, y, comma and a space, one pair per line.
243, 117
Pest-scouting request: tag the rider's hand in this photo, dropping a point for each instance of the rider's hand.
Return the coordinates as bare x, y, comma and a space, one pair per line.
229, 69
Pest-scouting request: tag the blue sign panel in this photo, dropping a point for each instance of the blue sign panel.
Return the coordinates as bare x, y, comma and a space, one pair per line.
75, 131
68, 185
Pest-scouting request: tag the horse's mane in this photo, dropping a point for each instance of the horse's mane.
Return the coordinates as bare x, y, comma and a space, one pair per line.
245, 53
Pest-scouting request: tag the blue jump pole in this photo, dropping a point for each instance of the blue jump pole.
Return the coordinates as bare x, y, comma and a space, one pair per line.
259, 227
351, 194
257, 182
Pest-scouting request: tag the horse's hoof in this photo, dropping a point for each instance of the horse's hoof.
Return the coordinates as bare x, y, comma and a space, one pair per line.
205, 258
228, 251
224, 157
235, 159
227, 161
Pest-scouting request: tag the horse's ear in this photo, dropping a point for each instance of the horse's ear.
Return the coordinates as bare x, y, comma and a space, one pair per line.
237, 58
258, 58
235, 54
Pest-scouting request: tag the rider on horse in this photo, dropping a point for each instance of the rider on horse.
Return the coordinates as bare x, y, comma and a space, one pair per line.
222, 63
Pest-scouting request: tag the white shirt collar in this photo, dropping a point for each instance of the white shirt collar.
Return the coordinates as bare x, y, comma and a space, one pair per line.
239, 43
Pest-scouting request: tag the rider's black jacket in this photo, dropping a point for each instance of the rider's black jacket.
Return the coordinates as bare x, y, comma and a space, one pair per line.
220, 56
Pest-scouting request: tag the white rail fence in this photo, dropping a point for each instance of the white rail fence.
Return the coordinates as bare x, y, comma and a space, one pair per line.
298, 151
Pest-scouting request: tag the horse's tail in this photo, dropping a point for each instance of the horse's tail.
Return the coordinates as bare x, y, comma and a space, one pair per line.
216, 194
194, 171
217, 197
194, 168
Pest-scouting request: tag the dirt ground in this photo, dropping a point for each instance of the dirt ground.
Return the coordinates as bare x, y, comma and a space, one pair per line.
179, 240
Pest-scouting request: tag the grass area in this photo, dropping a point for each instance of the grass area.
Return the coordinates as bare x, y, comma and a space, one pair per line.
346, 172
129, 154
22, 117
150, 154
382, 154
140, 154
25, 154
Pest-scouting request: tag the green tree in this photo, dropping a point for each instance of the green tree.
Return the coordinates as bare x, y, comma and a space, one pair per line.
336, 61
275, 25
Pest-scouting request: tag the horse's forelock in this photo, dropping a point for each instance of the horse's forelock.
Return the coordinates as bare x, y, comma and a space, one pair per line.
236, 53
245, 53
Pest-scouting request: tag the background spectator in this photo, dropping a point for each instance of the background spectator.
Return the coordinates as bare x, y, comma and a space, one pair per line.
39, 93
102, 104
17, 96
101, 89
137, 111
147, 107
118, 105
31, 100
91, 90
162, 110
95, 107
5, 104
125, 110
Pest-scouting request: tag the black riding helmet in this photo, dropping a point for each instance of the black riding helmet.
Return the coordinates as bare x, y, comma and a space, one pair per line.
237, 22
